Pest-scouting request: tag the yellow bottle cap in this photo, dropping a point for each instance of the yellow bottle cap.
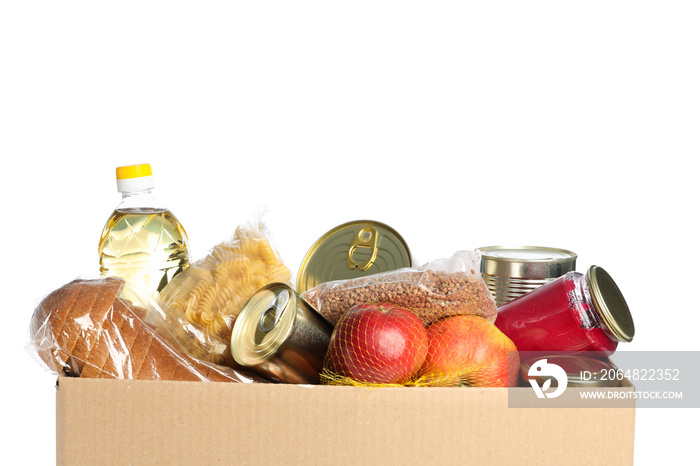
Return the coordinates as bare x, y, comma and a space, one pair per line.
134, 171
131, 178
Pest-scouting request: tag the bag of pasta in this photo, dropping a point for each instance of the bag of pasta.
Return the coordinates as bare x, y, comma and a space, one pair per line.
202, 302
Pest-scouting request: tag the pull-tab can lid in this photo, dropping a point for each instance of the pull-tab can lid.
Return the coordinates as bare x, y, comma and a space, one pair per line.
351, 250
263, 324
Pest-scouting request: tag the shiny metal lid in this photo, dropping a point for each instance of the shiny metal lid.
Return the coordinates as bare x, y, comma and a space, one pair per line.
263, 324
352, 250
530, 262
581, 371
610, 303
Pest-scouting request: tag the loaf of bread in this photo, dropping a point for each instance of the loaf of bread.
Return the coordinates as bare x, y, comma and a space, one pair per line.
84, 329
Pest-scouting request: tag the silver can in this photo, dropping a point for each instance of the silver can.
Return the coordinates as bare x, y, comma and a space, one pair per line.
512, 271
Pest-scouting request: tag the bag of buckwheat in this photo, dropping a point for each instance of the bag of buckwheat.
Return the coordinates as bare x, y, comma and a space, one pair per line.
440, 288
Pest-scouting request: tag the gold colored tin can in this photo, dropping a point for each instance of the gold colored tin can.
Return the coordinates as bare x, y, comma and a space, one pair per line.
280, 336
352, 250
512, 271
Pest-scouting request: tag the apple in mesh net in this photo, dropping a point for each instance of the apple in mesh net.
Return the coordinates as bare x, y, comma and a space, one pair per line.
378, 344
469, 350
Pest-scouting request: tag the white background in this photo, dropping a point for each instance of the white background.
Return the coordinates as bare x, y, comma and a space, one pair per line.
563, 124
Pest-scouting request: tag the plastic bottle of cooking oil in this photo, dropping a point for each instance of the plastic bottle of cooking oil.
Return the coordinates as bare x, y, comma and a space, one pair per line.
142, 241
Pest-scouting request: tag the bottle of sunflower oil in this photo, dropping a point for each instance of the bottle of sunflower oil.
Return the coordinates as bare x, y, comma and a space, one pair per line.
142, 241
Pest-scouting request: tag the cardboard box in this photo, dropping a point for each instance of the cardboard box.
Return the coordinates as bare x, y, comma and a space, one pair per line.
155, 422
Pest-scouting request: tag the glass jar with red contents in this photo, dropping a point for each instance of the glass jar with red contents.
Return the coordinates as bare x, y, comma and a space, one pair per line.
574, 313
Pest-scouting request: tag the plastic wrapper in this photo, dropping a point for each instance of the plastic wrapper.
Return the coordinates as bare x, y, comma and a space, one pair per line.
200, 305
441, 288
87, 328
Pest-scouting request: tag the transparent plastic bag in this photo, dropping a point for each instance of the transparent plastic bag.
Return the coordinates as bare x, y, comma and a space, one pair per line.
88, 329
440, 288
200, 304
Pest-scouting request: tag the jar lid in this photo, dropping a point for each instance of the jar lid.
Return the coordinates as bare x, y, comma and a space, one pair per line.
611, 305
581, 371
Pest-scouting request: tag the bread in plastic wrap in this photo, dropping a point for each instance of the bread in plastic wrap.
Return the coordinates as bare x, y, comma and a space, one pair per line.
85, 329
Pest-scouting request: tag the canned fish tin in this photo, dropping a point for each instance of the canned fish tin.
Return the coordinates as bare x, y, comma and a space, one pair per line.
581, 371
280, 336
510, 272
352, 250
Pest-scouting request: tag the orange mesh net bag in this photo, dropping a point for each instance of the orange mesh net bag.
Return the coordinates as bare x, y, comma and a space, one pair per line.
388, 345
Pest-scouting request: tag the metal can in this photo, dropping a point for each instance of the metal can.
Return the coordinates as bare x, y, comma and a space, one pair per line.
280, 336
581, 371
512, 271
351, 250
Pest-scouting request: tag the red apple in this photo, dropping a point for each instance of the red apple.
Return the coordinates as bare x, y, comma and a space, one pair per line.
469, 350
378, 343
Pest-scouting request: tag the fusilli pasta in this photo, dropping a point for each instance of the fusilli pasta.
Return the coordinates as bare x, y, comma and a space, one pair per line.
211, 292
